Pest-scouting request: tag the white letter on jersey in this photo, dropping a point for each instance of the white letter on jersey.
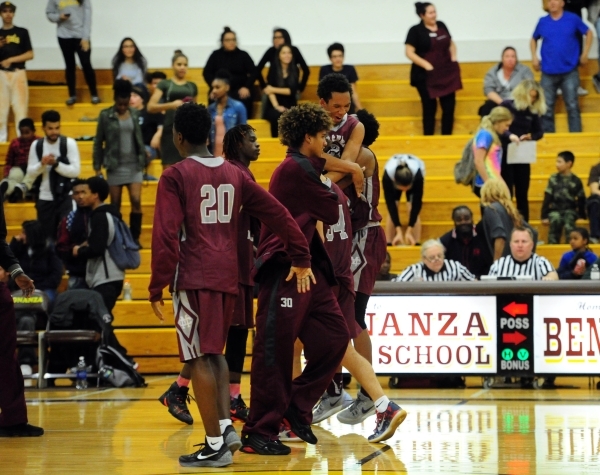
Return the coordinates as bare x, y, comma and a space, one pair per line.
224, 209
339, 227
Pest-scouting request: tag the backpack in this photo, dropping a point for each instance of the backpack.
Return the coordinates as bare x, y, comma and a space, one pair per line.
117, 370
60, 186
123, 249
465, 171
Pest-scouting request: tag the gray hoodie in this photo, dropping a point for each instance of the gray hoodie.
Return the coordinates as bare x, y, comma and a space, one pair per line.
78, 25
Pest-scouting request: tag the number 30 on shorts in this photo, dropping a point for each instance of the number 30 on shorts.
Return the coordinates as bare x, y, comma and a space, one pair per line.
287, 302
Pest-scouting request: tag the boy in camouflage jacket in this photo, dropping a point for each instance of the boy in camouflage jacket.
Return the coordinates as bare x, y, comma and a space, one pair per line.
564, 200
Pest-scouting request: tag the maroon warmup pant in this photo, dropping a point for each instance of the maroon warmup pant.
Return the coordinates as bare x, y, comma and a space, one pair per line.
12, 391
284, 315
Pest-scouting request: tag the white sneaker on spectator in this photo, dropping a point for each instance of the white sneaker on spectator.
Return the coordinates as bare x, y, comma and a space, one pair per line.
582, 92
27, 371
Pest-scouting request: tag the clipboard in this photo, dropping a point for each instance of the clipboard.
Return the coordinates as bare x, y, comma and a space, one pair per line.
524, 152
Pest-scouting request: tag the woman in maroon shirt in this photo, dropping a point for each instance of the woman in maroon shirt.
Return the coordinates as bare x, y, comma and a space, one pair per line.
435, 72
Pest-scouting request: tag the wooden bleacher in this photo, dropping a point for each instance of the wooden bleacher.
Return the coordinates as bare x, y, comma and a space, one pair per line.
385, 91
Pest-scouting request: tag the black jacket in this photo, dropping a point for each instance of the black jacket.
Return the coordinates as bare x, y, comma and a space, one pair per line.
237, 62
45, 270
7, 259
270, 57
473, 254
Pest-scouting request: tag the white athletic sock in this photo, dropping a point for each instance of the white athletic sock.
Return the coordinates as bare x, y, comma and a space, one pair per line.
223, 423
214, 443
382, 403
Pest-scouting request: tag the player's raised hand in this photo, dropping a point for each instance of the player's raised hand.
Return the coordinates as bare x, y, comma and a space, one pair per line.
304, 276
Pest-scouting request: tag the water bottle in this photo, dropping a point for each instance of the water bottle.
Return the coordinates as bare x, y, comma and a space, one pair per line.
81, 381
127, 291
595, 273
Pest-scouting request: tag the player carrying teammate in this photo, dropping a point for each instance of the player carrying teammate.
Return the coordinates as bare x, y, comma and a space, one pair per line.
284, 315
194, 240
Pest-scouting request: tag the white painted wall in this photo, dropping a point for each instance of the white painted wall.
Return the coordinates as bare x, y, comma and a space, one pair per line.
373, 31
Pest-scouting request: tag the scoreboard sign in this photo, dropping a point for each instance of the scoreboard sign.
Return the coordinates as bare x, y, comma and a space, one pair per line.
433, 334
567, 334
515, 335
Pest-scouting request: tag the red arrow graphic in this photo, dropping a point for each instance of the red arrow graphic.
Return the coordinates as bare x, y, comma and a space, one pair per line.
515, 338
515, 309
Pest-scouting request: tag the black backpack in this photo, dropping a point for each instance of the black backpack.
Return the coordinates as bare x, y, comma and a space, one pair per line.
60, 186
117, 370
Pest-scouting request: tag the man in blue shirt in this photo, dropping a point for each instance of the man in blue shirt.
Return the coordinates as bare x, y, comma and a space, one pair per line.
560, 32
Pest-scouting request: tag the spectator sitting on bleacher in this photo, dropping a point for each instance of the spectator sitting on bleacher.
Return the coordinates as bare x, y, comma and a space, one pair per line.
573, 264
560, 32
522, 261
224, 111
152, 79
384, 272
434, 266
593, 204
336, 56
47, 158
38, 259
502, 78
129, 63
281, 37
282, 88
15, 50
102, 274
16, 162
73, 231
564, 199
466, 243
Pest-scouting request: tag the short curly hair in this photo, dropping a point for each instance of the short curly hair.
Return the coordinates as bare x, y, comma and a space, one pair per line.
371, 126
306, 118
331, 83
193, 122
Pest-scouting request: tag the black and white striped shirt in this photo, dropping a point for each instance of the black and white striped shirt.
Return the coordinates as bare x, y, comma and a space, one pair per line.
451, 270
536, 266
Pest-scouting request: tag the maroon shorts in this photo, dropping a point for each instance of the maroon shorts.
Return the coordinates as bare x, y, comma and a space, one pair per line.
369, 247
345, 299
202, 321
243, 313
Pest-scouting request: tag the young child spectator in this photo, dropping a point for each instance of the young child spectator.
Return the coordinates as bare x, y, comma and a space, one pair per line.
129, 63
564, 199
16, 162
15, 50
384, 273
336, 56
573, 264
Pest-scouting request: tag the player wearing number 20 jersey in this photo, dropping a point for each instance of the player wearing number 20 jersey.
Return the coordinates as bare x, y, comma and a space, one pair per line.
195, 233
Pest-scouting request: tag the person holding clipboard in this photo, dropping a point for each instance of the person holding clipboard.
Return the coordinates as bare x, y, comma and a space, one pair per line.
435, 72
527, 106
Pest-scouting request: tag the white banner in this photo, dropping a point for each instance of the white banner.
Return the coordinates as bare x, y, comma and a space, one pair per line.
567, 334
433, 334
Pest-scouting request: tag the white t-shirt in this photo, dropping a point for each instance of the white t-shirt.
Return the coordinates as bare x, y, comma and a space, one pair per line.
35, 167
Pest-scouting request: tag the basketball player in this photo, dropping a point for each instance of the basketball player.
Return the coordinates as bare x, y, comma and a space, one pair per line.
338, 244
240, 147
284, 315
194, 240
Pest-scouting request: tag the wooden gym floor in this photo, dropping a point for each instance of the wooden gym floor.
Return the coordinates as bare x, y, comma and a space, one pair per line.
452, 431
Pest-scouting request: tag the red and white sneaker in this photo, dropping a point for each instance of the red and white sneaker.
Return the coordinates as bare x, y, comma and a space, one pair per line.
286, 434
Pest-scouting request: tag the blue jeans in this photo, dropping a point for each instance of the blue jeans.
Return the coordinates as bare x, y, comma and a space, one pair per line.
569, 83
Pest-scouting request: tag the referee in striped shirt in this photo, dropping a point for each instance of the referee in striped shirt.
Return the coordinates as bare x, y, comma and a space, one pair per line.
434, 267
522, 261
